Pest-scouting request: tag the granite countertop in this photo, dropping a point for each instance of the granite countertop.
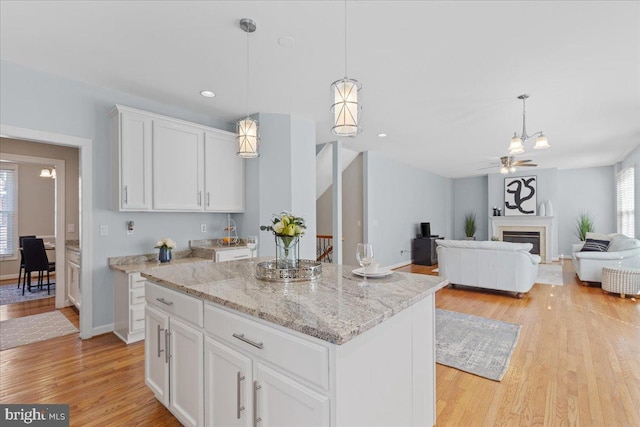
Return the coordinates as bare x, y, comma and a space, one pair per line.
74, 245
335, 308
138, 263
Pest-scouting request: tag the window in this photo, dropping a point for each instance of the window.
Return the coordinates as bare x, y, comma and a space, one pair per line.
626, 202
8, 210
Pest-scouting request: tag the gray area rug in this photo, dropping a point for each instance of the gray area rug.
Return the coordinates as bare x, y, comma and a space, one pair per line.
37, 327
475, 344
10, 294
550, 274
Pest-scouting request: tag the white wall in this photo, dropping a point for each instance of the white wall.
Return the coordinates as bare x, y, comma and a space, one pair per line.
398, 198
35, 100
352, 198
470, 195
591, 190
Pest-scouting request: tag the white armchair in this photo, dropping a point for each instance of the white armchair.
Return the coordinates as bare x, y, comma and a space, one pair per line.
623, 251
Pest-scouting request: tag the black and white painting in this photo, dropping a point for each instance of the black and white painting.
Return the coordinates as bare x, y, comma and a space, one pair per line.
520, 195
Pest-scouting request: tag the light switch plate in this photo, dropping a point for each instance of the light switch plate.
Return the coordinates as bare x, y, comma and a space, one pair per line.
104, 230
203, 228
71, 228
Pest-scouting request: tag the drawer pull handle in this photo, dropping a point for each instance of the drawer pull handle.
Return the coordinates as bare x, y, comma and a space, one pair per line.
256, 419
164, 301
239, 408
140, 297
241, 337
241, 256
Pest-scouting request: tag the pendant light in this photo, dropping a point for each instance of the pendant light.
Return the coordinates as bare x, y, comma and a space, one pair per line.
345, 106
247, 128
517, 142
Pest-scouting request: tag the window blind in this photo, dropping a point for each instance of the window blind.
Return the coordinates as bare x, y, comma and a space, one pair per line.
626, 202
8, 210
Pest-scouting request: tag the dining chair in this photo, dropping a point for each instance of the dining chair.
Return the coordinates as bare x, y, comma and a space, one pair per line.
35, 259
20, 239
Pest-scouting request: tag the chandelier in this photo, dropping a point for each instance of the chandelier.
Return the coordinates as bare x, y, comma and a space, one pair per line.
517, 142
345, 107
247, 135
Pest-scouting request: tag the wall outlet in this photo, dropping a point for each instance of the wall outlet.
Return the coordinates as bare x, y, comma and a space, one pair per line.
104, 230
71, 228
203, 228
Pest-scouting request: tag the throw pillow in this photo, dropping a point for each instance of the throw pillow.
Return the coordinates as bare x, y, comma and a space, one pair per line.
594, 245
621, 242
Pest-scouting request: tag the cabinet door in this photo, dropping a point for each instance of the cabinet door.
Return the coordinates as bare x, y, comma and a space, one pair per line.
135, 161
177, 167
224, 174
74, 283
227, 388
284, 402
185, 375
156, 359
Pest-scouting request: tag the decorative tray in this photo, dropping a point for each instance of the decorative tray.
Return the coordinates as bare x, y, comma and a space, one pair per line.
308, 270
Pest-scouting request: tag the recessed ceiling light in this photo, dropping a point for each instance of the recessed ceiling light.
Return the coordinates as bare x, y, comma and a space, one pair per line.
382, 135
207, 94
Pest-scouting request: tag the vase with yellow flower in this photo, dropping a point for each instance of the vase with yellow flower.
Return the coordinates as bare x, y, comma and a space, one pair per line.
287, 229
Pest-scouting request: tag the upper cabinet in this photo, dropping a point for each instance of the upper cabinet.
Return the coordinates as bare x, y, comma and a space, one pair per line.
132, 154
224, 174
171, 165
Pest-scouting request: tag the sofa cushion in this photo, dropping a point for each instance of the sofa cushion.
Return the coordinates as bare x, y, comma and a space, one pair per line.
595, 245
484, 244
620, 242
599, 236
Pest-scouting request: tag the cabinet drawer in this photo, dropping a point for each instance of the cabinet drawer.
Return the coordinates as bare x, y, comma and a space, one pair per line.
136, 296
136, 281
136, 319
233, 254
307, 360
174, 303
73, 256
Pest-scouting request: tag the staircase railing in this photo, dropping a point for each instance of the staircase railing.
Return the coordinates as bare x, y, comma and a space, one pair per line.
324, 248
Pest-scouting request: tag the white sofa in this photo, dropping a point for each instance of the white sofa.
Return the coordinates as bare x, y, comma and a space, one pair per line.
623, 251
492, 265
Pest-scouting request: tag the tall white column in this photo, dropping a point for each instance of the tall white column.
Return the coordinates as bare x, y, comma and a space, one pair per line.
337, 201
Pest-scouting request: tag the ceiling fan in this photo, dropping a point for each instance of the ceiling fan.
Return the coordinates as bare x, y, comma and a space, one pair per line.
510, 163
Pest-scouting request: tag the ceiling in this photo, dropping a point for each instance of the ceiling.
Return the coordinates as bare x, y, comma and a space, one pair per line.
440, 78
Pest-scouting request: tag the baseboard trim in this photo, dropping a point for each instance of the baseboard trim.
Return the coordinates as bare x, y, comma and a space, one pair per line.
104, 329
8, 277
398, 265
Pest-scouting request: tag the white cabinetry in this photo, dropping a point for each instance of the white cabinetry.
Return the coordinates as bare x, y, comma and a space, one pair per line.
178, 171
262, 375
128, 306
166, 164
224, 174
132, 147
174, 352
73, 277
232, 254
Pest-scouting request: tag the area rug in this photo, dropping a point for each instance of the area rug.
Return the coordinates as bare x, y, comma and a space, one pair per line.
550, 274
475, 344
37, 327
10, 294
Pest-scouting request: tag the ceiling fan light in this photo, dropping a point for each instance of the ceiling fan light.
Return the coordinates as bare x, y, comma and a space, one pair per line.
512, 169
504, 170
541, 142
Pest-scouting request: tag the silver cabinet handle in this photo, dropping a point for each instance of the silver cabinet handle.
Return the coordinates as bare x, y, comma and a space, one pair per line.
239, 408
126, 195
199, 198
208, 199
167, 338
241, 256
256, 418
241, 337
164, 301
159, 350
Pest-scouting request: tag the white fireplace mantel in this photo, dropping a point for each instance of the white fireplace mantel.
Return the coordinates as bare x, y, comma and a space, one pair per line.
546, 224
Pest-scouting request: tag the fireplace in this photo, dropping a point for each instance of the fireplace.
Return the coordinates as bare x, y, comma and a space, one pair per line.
528, 225
519, 236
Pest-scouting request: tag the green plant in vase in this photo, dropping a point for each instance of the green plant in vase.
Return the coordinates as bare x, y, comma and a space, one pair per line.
584, 225
470, 224
287, 229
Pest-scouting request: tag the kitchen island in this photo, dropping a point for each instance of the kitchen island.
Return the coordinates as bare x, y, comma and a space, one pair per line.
224, 348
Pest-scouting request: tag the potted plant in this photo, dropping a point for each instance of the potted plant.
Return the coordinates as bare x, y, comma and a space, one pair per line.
584, 225
470, 225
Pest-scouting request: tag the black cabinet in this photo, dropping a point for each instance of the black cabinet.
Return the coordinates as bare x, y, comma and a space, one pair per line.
423, 251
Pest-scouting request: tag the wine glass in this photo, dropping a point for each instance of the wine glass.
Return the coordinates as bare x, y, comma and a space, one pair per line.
364, 255
252, 244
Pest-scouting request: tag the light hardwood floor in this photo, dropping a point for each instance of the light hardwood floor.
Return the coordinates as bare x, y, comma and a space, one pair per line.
577, 363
